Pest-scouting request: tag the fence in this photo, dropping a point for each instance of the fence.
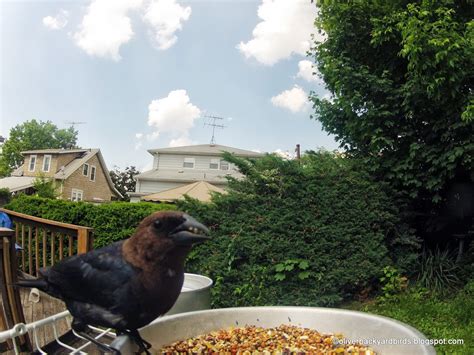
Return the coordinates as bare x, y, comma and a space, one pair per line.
34, 243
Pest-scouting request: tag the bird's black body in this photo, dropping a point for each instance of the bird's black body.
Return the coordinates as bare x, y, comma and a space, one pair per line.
127, 284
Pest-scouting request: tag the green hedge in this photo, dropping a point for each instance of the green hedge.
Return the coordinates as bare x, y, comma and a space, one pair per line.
308, 233
111, 221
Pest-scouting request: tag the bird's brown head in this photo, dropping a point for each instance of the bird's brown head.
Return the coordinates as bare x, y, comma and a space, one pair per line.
162, 233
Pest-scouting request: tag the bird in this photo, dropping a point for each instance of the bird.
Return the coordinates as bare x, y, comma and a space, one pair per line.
126, 284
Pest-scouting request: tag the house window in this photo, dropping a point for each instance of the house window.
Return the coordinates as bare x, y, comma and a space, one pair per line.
224, 165
46, 163
188, 163
93, 173
32, 165
76, 195
85, 170
214, 164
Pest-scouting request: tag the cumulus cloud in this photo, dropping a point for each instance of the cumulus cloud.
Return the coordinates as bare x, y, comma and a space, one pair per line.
57, 22
181, 141
285, 29
106, 27
173, 114
165, 17
306, 70
284, 154
295, 99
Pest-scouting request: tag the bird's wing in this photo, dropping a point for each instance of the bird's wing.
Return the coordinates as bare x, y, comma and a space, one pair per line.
101, 277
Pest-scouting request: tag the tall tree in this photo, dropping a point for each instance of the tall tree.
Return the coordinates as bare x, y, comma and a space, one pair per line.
124, 181
33, 135
401, 74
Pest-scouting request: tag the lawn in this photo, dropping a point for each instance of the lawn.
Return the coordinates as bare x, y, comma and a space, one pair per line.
438, 317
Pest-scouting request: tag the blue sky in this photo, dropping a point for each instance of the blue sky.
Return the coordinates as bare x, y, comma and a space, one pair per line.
142, 74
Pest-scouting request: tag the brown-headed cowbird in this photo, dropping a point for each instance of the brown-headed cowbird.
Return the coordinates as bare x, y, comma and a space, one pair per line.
129, 283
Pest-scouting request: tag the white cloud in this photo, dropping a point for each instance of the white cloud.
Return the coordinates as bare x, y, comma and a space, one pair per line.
138, 135
306, 70
57, 22
165, 17
181, 141
295, 99
105, 27
285, 29
284, 154
174, 114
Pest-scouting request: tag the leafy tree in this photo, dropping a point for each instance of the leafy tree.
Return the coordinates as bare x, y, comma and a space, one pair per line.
45, 187
400, 73
124, 181
33, 135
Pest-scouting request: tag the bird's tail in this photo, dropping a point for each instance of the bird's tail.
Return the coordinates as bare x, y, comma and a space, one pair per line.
40, 284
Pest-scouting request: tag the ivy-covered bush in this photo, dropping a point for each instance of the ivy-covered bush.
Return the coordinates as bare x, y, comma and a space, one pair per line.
311, 233
111, 221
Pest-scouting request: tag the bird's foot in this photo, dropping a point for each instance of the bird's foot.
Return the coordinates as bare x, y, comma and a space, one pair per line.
142, 344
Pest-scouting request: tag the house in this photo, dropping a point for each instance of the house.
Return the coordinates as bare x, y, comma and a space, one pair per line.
80, 174
179, 166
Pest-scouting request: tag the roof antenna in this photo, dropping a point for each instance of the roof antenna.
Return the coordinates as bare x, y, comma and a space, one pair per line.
212, 123
74, 123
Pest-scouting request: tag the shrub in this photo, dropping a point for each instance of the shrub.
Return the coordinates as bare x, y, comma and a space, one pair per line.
438, 271
309, 233
111, 221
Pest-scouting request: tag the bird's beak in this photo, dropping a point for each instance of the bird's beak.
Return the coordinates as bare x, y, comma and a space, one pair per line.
189, 232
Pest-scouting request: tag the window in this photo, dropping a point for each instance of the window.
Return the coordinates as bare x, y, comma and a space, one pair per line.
76, 195
224, 165
214, 164
46, 163
32, 165
85, 170
93, 173
188, 163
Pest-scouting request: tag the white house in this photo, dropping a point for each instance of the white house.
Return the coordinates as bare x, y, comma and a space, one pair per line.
179, 166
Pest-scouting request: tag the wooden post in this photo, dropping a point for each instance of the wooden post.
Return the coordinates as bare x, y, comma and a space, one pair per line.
10, 294
83, 241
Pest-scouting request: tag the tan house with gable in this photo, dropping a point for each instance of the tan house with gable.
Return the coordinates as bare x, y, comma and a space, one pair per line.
80, 174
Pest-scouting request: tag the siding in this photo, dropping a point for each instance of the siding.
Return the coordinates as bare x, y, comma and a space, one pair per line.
92, 190
175, 161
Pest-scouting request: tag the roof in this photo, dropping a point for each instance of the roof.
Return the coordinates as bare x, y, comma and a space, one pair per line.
185, 175
206, 149
70, 168
17, 183
54, 151
200, 190
77, 163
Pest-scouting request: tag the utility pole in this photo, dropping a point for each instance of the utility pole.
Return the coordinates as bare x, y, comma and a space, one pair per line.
214, 125
298, 152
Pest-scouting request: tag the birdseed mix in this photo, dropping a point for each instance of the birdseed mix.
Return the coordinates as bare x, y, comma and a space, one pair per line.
284, 339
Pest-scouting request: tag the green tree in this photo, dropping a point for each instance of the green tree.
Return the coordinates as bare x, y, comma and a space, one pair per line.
33, 135
124, 181
45, 187
400, 74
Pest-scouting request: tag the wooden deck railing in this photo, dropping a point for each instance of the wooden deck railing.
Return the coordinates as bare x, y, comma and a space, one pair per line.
44, 242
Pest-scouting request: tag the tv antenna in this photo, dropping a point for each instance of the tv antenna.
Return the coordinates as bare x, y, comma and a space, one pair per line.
212, 123
73, 123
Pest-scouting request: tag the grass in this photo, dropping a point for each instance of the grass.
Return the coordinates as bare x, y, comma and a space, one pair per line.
437, 317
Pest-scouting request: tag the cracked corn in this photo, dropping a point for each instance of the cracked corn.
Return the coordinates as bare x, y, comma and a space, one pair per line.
252, 340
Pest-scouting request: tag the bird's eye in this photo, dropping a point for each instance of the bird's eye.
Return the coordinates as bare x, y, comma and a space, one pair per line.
157, 224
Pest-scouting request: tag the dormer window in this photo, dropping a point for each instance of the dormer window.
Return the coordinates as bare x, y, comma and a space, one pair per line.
188, 163
214, 164
46, 163
32, 164
224, 165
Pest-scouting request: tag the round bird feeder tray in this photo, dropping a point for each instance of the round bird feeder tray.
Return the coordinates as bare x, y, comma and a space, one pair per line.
384, 335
